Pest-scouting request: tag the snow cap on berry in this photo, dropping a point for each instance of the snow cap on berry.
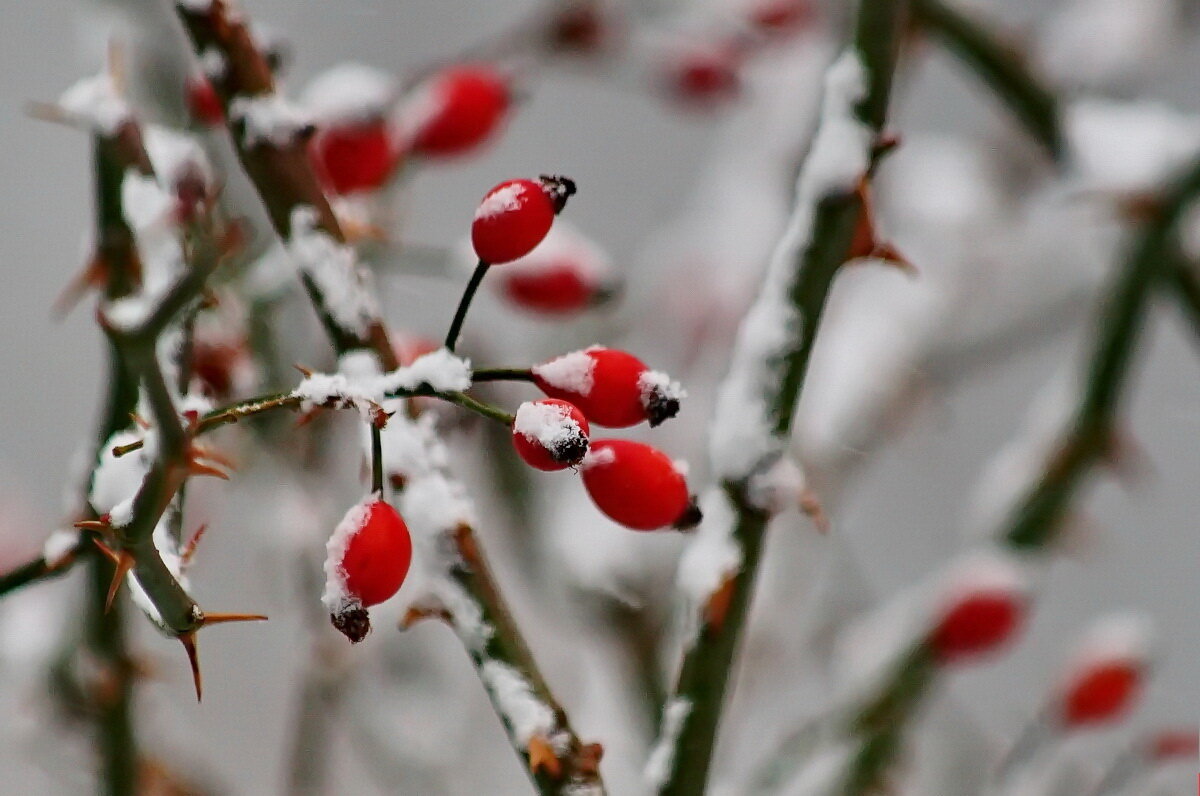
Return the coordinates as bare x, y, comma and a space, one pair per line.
553, 428
981, 607
348, 93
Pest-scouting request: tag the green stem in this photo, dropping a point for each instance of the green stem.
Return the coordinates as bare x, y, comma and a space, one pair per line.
464, 304
705, 670
1005, 70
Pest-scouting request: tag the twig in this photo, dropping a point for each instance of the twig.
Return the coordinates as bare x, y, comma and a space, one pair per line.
286, 182
771, 374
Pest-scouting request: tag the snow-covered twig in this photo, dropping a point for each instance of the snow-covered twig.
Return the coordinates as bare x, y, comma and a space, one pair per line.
758, 398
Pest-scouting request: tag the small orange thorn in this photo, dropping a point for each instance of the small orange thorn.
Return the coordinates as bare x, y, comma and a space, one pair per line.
717, 607
307, 373
220, 619
810, 504
142, 422
93, 525
93, 275
418, 613
198, 468
124, 562
188, 640
189, 549
212, 455
542, 757
307, 417
109, 553
866, 243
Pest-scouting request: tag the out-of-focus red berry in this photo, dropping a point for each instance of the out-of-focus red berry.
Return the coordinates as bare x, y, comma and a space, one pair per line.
1101, 693
458, 110
977, 623
203, 104
355, 156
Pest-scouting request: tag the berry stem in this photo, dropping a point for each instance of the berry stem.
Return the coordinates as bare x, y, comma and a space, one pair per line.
502, 375
479, 407
464, 304
376, 460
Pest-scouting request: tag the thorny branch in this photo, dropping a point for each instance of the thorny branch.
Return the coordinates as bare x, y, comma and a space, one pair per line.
832, 214
284, 178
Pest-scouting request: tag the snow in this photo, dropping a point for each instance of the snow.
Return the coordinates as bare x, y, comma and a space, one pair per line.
96, 103
213, 63
1129, 147
169, 550
777, 488
116, 479
1126, 637
598, 456
336, 598
573, 372
359, 385
527, 715
440, 369
334, 269
710, 558
655, 381
348, 92
743, 437
59, 545
195, 6
549, 425
268, 119
128, 314
503, 200
823, 772
662, 756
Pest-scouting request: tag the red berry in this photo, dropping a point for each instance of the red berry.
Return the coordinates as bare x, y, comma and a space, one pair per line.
580, 27
550, 434
460, 108
779, 16
355, 156
368, 558
1174, 744
218, 366
515, 216
705, 75
556, 288
977, 623
202, 101
613, 388
637, 486
1101, 693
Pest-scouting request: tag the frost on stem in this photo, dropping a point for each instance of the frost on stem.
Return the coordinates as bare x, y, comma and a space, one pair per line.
268, 119
96, 103
359, 385
744, 433
334, 269
662, 756
348, 93
527, 715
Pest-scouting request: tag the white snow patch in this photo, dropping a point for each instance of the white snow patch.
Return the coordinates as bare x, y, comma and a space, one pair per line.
336, 598
574, 372
95, 102
440, 369
776, 488
59, 545
116, 480
662, 756
1129, 147
710, 557
348, 93
268, 119
652, 381
742, 434
1125, 637
513, 696
503, 200
333, 267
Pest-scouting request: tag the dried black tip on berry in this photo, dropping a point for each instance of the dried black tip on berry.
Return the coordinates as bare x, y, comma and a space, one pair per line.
570, 450
353, 623
691, 516
661, 406
558, 188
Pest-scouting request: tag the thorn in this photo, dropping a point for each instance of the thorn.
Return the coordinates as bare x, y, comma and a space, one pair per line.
108, 552
198, 468
588, 759
189, 549
306, 372
213, 455
188, 640
419, 613
542, 757
810, 504
142, 422
307, 417
100, 525
866, 243
46, 112
717, 607
93, 275
221, 619
124, 562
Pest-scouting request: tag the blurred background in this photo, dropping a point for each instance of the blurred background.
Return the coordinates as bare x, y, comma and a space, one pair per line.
917, 383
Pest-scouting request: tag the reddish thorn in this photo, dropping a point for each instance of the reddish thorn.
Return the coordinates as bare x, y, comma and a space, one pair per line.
188, 640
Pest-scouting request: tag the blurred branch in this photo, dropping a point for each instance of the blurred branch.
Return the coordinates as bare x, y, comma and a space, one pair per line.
825, 220
1039, 513
285, 180
1003, 68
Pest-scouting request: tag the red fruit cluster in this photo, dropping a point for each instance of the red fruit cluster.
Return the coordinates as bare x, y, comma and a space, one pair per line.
613, 388
977, 623
515, 216
638, 486
369, 556
460, 109
550, 434
355, 155
1101, 693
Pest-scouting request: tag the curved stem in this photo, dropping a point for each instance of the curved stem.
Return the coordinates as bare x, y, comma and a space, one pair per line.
464, 304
